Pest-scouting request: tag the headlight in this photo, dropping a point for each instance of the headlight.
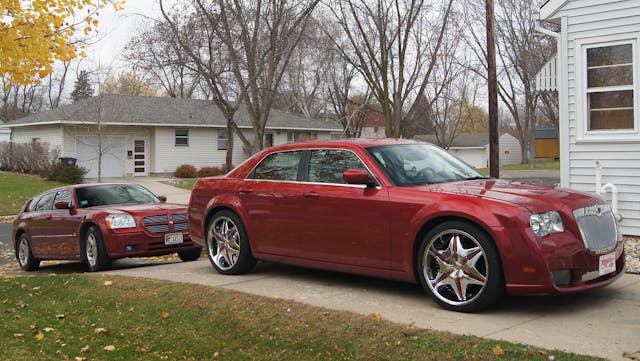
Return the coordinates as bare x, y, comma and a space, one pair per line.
120, 220
545, 223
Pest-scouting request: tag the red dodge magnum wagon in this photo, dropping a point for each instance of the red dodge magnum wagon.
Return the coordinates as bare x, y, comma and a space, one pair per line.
96, 223
408, 211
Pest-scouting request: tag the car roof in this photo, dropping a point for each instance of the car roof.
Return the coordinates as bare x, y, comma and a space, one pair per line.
348, 143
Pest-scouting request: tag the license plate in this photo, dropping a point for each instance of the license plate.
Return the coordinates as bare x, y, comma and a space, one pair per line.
607, 264
173, 238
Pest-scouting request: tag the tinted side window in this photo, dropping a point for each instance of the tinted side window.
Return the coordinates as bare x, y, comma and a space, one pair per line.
327, 165
279, 166
45, 202
63, 195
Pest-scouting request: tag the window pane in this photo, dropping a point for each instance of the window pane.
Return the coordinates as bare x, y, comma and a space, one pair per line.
618, 99
279, 166
610, 76
327, 166
182, 141
182, 132
223, 139
616, 119
610, 55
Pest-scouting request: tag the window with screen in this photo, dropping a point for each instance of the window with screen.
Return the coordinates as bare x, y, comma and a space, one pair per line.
223, 139
610, 87
182, 136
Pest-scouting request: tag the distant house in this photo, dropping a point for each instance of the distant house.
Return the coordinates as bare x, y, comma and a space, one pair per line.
5, 134
140, 136
547, 144
597, 76
474, 148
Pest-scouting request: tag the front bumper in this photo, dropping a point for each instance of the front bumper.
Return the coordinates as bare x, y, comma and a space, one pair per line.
122, 244
536, 263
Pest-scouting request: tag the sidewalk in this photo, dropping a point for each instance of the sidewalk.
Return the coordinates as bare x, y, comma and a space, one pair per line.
159, 186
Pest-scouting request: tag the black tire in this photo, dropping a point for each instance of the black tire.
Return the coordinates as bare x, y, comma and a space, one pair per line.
459, 266
227, 244
24, 255
191, 255
94, 251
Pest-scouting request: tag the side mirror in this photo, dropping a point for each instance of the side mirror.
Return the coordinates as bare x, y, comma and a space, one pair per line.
162, 199
358, 176
62, 205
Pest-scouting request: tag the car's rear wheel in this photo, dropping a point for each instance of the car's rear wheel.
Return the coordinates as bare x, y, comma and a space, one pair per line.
95, 253
227, 244
24, 255
188, 256
459, 266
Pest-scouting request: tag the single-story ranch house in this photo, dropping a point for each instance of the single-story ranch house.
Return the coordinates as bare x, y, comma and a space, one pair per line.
141, 136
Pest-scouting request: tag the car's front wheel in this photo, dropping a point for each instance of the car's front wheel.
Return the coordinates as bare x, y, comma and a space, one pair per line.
95, 252
188, 256
227, 244
24, 255
459, 266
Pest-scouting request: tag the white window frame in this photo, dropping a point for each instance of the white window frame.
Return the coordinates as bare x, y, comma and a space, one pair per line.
223, 137
583, 134
176, 137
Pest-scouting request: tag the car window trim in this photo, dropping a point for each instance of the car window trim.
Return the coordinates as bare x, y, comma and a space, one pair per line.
252, 174
371, 174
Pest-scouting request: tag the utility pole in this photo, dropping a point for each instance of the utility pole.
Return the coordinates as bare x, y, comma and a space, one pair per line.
494, 143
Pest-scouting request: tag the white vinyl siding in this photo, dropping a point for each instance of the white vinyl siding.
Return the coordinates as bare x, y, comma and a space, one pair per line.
49, 134
597, 23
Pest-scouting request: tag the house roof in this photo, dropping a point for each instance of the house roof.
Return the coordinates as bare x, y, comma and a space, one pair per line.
460, 141
550, 8
546, 133
159, 111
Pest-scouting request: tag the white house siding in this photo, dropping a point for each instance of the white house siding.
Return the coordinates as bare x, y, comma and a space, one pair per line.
122, 135
50, 134
475, 157
510, 151
590, 21
5, 135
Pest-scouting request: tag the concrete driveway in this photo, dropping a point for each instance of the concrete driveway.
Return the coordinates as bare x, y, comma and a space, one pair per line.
604, 322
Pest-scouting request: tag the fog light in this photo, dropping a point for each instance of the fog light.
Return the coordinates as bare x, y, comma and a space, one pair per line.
130, 248
561, 277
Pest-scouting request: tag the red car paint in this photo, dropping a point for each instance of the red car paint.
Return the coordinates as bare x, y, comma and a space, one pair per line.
376, 230
57, 234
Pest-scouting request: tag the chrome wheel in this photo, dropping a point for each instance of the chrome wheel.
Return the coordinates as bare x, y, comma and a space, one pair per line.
223, 243
91, 250
455, 267
23, 252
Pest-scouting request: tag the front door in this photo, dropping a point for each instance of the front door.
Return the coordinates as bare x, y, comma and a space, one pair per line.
139, 158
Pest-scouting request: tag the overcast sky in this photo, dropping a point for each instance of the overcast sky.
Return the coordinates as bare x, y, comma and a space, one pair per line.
116, 28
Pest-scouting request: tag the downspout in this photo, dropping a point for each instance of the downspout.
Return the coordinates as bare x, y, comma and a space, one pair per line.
609, 187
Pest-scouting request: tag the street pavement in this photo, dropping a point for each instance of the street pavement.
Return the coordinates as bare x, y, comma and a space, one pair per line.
603, 322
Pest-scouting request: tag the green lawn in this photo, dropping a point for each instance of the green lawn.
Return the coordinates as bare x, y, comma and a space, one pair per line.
15, 189
554, 165
96, 317
188, 183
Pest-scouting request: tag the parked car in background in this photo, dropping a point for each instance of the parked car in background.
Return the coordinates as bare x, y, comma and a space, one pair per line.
96, 223
408, 211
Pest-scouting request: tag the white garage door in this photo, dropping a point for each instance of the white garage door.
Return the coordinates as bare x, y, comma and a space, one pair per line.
112, 158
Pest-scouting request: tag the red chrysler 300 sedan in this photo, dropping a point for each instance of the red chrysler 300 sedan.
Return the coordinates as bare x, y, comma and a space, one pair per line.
408, 211
95, 223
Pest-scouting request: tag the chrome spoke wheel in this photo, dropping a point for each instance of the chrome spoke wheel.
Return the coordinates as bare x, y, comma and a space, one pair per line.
455, 267
91, 249
223, 242
23, 252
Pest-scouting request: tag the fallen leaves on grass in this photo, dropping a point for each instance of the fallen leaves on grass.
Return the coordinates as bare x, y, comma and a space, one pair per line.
631, 355
108, 283
39, 336
85, 349
497, 350
165, 314
60, 316
101, 331
48, 329
375, 315
109, 348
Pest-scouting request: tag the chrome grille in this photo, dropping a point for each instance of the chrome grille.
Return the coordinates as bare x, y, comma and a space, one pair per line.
598, 228
180, 217
163, 218
158, 228
181, 227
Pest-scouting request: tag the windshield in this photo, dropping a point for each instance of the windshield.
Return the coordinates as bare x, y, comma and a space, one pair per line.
415, 164
101, 195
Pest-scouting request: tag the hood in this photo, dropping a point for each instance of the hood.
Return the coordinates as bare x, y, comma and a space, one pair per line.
138, 208
534, 197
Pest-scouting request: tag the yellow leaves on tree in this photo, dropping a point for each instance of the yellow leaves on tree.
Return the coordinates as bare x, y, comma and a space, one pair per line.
127, 83
34, 34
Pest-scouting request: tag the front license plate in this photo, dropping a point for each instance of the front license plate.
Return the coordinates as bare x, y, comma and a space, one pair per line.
607, 264
173, 238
